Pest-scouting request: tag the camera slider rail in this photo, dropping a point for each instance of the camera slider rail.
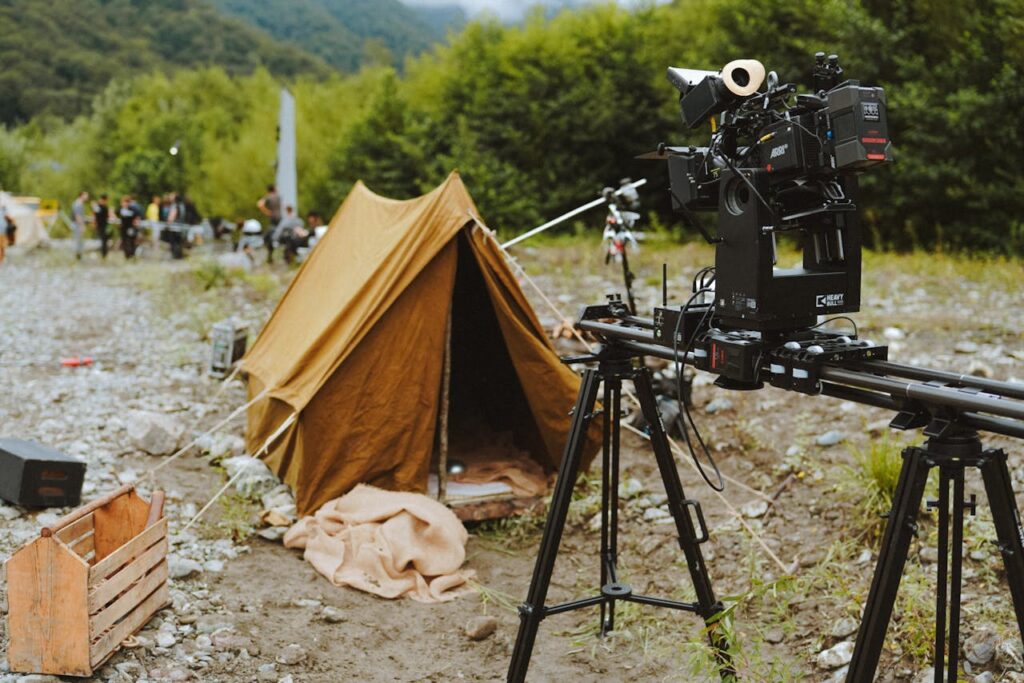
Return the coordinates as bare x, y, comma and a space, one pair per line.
814, 362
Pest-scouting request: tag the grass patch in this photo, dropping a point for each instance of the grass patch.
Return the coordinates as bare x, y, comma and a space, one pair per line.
871, 482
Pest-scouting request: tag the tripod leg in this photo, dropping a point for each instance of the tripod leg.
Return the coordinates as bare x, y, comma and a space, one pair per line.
606, 470
688, 538
886, 581
613, 410
941, 577
999, 489
956, 579
532, 611
627, 276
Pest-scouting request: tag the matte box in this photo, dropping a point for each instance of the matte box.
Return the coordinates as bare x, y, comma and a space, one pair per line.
33, 475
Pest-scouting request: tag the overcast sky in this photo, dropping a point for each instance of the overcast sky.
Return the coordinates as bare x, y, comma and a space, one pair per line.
506, 10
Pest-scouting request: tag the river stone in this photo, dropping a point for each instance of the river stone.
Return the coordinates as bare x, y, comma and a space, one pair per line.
291, 655
846, 626
836, 656
333, 615
1010, 654
830, 438
481, 627
717, 405
981, 646
154, 433
182, 567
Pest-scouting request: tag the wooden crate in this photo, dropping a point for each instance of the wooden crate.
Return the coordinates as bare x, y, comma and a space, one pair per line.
88, 582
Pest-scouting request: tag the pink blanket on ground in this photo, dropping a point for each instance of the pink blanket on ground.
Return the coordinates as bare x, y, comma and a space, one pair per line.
387, 543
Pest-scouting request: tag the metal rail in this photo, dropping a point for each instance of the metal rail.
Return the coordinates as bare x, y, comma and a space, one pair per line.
988, 405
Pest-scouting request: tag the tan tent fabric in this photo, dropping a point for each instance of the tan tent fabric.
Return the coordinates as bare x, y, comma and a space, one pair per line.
356, 347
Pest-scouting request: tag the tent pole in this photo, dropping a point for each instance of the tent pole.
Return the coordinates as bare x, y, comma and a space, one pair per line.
446, 376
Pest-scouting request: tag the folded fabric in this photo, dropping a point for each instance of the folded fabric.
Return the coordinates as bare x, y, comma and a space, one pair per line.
387, 543
522, 473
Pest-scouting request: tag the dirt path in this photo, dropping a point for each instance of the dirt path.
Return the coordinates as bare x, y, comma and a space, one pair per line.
237, 616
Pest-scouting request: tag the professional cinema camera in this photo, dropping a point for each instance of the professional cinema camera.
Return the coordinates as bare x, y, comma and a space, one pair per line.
780, 162
775, 164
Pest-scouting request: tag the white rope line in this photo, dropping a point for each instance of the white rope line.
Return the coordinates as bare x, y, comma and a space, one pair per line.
675, 446
226, 381
212, 430
736, 513
241, 470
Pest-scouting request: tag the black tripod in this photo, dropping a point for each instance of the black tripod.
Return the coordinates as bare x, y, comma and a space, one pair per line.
952, 450
615, 365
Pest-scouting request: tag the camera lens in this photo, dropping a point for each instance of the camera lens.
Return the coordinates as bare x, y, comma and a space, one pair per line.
736, 197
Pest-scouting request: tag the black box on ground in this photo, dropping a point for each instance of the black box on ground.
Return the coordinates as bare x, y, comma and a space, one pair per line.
33, 475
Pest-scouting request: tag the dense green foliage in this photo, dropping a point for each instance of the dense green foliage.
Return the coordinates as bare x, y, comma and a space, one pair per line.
58, 55
345, 33
539, 117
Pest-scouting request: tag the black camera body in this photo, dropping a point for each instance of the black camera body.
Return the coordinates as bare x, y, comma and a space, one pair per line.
773, 168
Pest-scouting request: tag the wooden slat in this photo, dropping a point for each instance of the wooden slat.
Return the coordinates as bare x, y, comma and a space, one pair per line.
84, 510
108, 590
126, 553
118, 522
47, 621
76, 529
103, 620
136, 619
85, 545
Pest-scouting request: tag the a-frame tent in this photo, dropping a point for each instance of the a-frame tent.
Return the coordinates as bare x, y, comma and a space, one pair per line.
405, 317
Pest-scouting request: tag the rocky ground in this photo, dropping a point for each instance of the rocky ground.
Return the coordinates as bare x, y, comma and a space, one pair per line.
793, 537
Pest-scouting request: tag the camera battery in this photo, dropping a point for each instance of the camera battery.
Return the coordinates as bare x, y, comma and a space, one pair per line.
860, 131
33, 475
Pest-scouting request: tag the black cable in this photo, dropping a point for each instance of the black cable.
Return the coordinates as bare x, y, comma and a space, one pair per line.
795, 123
838, 317
745, 179
720, 486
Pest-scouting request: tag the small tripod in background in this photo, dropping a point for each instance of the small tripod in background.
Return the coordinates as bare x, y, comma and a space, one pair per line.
618, 231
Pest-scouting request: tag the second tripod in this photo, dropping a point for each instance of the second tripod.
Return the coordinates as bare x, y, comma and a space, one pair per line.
614, 366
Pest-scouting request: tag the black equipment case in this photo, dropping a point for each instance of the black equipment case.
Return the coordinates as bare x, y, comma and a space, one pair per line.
33, 475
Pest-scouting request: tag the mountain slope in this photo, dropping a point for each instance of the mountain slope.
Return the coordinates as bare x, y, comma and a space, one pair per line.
57, 55
336, 30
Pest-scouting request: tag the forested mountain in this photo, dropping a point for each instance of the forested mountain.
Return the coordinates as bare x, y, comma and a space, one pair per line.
338, 30
57, 55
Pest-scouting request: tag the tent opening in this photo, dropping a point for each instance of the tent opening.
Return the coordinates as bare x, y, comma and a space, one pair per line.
491, 431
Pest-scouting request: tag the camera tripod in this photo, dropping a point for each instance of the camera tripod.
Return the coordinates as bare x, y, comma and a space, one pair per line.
952, 449
614, 366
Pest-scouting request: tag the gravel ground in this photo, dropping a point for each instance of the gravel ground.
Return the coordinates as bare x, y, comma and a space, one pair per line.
245, 609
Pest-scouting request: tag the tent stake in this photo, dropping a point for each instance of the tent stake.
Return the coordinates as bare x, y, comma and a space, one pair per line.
446, 376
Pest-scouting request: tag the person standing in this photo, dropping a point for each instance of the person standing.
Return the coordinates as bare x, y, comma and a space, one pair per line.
130, 217
78, 218
101, 219
291, 233
5, 222
270, 206
153, 210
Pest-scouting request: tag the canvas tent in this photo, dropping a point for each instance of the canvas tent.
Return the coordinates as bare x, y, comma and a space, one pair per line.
405, 316
23, 210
